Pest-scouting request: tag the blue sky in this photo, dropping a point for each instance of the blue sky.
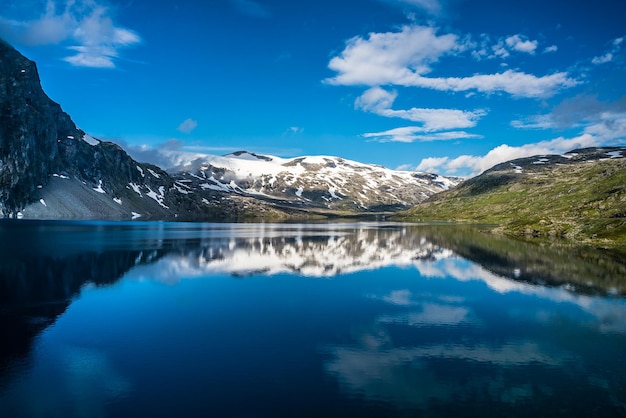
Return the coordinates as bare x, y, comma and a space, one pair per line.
450, 86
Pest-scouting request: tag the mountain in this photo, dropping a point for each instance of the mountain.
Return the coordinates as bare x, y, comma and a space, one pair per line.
313, 182
579, 195
51, 169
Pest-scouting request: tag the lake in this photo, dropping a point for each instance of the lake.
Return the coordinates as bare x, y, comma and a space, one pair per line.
105, 319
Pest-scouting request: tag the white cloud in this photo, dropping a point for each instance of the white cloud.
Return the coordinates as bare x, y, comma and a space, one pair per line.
534, 122
601, 124
416, 133
603, 59
391, 57
609, 55
295, 129
431, 164
187, 125
404, 58
595, 135
379, 101
85, 25
520, 43
551, 48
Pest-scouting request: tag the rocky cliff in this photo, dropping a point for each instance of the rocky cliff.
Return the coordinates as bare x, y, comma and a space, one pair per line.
34, 132
50, 169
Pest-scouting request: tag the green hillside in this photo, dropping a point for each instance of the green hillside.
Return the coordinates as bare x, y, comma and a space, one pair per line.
581, 196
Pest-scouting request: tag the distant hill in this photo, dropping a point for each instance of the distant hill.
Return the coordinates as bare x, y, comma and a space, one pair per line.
580, 195
50, 169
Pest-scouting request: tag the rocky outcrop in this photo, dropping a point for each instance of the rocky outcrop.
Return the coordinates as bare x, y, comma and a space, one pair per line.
50, 169
32, 131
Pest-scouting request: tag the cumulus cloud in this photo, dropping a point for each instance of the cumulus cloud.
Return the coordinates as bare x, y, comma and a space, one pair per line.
610, 128
520, 43
487, 48
86, 26
600, 124
391, 57
380, 101
187, 125
405, 58
164, 155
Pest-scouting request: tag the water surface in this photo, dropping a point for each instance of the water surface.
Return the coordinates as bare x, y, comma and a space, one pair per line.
268, 320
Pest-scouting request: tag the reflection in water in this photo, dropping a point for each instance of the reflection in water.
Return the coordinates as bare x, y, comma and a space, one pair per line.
439, 319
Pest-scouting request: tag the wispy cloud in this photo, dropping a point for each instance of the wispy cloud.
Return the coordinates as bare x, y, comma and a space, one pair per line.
609, 128
416, 133
578, 111
405, 58
295, 130
86, 27
380, 101
550, 49
608, 56
188, 125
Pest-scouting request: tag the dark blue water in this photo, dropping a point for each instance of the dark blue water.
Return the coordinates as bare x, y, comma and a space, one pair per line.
260, 320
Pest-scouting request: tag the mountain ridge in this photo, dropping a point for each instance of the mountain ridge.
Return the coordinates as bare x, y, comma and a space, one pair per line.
50, 169
580, 195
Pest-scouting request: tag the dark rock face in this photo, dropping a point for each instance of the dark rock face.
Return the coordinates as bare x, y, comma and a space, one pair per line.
40, 145
50, 169
31, 129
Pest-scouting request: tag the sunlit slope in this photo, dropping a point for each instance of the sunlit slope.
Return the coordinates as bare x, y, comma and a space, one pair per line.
581, 195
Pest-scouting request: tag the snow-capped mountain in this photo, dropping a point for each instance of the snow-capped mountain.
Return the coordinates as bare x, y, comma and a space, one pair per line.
51, 169
322, 182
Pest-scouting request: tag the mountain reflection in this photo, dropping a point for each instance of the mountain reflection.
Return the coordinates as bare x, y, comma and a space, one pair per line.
412, 343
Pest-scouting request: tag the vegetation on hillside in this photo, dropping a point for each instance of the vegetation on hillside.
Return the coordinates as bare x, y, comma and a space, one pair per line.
585, 201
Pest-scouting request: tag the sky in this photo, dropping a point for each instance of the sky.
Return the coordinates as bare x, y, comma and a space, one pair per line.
445, 86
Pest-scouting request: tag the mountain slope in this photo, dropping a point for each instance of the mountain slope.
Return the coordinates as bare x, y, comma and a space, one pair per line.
50, 169
580, 195
319, 182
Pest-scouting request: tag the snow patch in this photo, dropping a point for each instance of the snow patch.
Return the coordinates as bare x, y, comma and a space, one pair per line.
181, 190
43, 202
61, 176
331, 190
90, 140
158, 197
135, 188
154, 174
615, 154
135, 215
117, 200
99, 189
141, 171
299, 191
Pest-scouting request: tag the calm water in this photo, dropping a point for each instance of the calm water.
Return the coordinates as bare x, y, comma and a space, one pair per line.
258, 320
